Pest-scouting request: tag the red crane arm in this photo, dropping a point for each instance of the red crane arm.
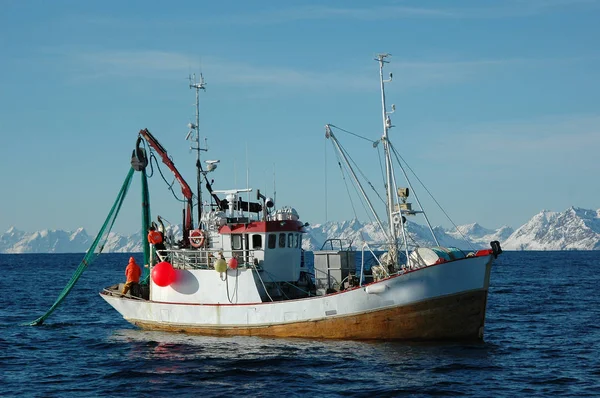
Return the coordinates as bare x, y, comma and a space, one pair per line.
162, 152
185, 188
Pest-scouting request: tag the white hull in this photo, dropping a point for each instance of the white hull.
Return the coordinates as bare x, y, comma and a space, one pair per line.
439, 284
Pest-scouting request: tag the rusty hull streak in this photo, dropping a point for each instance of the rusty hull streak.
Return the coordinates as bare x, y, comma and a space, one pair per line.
459, 316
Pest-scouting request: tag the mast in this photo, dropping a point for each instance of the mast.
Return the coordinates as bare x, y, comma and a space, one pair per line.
194, 136
394, 208
387, 124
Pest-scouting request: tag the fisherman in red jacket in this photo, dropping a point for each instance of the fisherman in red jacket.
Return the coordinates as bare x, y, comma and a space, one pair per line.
133, 273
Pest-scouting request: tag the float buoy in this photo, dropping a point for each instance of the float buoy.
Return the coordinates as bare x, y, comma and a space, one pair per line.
197, 238
163, 274
220, 265
233, 263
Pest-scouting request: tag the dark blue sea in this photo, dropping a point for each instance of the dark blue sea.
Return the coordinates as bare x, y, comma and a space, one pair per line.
542, 338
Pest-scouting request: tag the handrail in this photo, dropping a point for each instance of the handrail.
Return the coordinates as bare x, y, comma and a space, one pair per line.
205, 258
339, 240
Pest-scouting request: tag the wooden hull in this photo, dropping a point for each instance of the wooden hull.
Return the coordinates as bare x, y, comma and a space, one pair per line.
459, 316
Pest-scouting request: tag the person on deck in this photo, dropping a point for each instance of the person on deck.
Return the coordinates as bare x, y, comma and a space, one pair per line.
156, 238
133, 273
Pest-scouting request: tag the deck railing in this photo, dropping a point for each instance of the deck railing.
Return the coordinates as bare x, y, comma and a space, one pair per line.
206, 258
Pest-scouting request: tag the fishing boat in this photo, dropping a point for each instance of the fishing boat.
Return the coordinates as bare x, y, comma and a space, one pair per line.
240, 269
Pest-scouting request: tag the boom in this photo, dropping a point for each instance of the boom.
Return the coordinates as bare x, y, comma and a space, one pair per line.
185, 188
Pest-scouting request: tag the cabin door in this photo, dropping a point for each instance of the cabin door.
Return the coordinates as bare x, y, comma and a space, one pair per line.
246, 249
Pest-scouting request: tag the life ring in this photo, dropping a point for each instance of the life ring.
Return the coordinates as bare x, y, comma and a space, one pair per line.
197, 238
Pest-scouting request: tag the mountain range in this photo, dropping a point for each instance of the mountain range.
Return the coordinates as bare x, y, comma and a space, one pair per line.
572, 229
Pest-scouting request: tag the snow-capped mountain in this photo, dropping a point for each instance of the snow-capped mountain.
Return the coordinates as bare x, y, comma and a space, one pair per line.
358, 233
45, 241
573, 229
58, 241
477, 234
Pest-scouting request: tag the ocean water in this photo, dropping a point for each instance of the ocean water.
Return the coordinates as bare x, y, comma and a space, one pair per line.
542, 338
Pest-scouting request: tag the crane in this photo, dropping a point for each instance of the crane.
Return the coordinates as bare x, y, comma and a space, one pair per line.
139, 162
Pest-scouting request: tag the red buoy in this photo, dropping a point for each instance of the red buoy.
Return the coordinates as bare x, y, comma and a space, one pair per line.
233, 263
163, 274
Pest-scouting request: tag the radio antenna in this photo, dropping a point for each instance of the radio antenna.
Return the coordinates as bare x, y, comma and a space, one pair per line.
194, 136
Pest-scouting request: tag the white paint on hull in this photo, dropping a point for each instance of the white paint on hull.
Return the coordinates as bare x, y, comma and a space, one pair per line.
207, 286
421, 285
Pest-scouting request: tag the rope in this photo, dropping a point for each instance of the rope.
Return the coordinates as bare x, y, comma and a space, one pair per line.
92, 253
235, 290
146, 217
169, 185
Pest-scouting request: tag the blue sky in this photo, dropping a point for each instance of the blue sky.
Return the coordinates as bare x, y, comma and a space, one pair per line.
497, 102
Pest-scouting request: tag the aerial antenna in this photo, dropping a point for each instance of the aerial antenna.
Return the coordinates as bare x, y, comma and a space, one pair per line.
194, 136
247, 180
274, 190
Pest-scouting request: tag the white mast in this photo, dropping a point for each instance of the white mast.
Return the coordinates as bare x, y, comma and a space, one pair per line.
197, 85
393, 205
394, 209
387, 124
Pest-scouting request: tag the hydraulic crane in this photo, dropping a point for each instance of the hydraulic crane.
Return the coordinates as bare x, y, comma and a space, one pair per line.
139, 161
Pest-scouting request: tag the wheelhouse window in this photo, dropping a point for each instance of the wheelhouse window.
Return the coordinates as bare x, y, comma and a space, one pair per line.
282, 240
256, 242
272, 241
296, 240
236, 242
290, 240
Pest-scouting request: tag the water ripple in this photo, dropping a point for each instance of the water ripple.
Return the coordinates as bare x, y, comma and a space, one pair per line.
542, 334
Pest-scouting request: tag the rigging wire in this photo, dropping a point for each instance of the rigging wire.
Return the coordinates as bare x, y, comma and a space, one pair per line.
354, 134
346, 185
357, 193
379, 155
414, 193
326, 199
398, 158
261, 281
280, 289
356, 190
341, 152
360, 171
